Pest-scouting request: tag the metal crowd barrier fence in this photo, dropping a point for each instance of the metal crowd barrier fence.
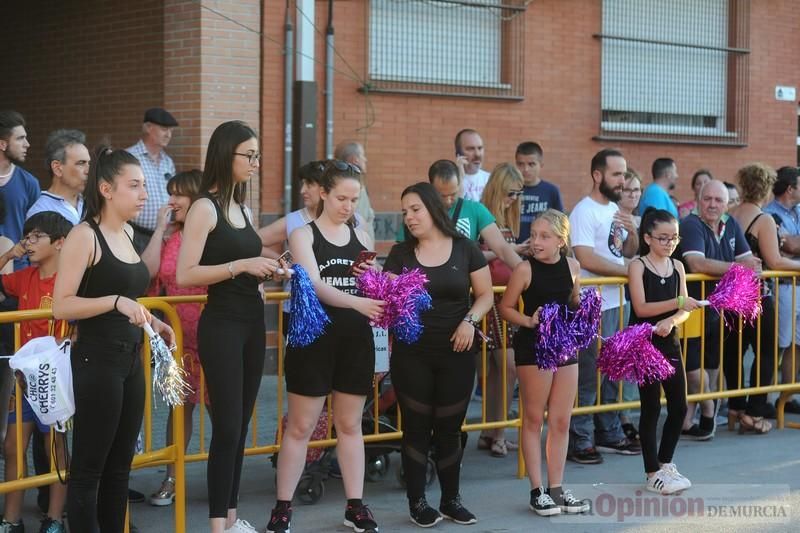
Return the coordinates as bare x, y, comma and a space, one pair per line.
174, 453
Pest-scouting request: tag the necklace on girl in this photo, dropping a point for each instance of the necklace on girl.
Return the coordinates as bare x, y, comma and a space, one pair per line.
655, 270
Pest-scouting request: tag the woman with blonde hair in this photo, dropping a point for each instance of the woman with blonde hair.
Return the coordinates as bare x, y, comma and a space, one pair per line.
502, 197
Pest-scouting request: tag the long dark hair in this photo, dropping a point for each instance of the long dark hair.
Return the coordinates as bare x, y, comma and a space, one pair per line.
650, 218
335, 170
218, 172
433, 203
105, 166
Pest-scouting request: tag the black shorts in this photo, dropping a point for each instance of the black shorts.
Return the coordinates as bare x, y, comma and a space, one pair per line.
528, 358
342, 360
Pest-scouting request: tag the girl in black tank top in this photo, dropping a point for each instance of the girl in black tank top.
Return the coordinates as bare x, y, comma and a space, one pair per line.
342, 359
221, 249
99, 278
658, 297
547, 277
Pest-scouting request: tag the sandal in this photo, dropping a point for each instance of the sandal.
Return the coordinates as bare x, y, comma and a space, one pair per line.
755, 424
485, 442
165, 495
499, 448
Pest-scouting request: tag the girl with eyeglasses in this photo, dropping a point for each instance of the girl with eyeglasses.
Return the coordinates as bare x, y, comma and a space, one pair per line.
502, 196
221, 249
341, 360
659, 297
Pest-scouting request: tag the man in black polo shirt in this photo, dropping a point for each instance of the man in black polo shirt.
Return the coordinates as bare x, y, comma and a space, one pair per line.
710, 242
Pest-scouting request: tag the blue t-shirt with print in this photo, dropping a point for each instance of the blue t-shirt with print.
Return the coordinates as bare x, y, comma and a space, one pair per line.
537, 199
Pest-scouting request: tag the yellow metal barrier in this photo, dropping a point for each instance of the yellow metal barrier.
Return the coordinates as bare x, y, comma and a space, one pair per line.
174, 453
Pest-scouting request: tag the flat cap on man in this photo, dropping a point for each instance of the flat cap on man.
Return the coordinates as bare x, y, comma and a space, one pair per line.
159, 116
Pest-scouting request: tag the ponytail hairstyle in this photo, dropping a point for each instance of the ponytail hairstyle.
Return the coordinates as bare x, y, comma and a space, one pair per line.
218, 171
560, 224
334, 171
650, 219
106, 165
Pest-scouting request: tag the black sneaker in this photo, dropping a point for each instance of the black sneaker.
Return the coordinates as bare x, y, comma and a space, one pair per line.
623, 447
8, 527
542, 504
697, 433
281, 520
455, 511
568, 503
360, 519
423, 514
589, 456
134, 496
630, 432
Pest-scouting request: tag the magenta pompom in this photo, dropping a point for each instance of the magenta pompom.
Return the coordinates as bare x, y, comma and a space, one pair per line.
555, 342
738, 291
630, 355
405, 297
586, 319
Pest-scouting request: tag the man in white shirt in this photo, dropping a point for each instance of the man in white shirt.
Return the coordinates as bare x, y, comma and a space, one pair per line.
602, 236
469, 157
157, 168
68, 161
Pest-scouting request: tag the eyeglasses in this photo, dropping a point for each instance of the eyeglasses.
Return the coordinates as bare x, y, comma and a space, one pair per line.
664, 241
251, 158
344, 166
631, 191
514, 194
34, 236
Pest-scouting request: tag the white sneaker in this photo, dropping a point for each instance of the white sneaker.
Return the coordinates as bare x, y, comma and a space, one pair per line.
663, 482
672, 470
242, 526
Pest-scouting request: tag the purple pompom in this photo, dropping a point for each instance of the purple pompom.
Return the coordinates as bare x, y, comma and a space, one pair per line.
630, 355
738, 291
586, 319
555, 341
405, 297
308, 318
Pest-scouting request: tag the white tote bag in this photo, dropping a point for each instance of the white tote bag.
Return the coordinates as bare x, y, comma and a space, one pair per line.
45, 365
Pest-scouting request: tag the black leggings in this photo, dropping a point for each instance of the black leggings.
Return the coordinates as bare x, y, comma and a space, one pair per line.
108, 384
434, 391
755, 404
232, 355
650, 401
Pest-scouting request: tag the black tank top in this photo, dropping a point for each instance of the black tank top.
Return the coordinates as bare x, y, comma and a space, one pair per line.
550, 283
654, 291
236, 298
334, 264
112, 276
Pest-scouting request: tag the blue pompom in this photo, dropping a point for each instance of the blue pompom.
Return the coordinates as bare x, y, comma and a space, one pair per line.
308, 318
408, 328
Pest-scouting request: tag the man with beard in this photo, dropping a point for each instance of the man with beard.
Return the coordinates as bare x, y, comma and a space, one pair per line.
68, 161
157, 167
602, 236
18, 186
469, 156
656, 195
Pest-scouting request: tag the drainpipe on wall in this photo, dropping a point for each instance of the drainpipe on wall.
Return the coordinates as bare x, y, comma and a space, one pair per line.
329, 84
288, 75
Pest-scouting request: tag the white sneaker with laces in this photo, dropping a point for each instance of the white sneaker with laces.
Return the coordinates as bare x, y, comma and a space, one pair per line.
242, 526
672, 470
663, 482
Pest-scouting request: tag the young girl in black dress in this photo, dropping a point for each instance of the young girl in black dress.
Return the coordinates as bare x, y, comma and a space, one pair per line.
658, 297
433, 378
548, 276
100, 275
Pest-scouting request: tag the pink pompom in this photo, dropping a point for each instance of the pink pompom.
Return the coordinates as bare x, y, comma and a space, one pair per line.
738, 291
405, 297
630, 355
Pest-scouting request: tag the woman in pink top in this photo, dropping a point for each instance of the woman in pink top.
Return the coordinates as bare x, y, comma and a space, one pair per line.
161, 258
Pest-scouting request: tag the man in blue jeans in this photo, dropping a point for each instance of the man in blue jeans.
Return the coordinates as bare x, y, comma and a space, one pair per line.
602, 236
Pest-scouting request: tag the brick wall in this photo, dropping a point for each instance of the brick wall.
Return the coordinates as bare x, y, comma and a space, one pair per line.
560, 110
95, 67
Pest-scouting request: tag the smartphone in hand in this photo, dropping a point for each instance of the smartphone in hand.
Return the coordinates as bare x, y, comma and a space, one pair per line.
363, 257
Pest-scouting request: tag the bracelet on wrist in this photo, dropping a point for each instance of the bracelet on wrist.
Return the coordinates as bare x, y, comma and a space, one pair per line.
115, 302
681, 301
230, 269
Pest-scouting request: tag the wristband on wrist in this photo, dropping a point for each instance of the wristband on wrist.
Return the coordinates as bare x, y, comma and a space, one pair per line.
681, 301
230, 269
115, 302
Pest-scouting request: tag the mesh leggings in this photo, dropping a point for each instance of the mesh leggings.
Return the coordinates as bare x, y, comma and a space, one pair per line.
650, 401
433, 390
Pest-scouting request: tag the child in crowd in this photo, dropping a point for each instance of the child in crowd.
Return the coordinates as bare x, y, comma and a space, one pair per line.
658, 296
44, 235
547, 276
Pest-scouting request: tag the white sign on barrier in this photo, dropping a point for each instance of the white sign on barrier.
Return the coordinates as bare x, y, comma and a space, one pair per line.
381, 337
